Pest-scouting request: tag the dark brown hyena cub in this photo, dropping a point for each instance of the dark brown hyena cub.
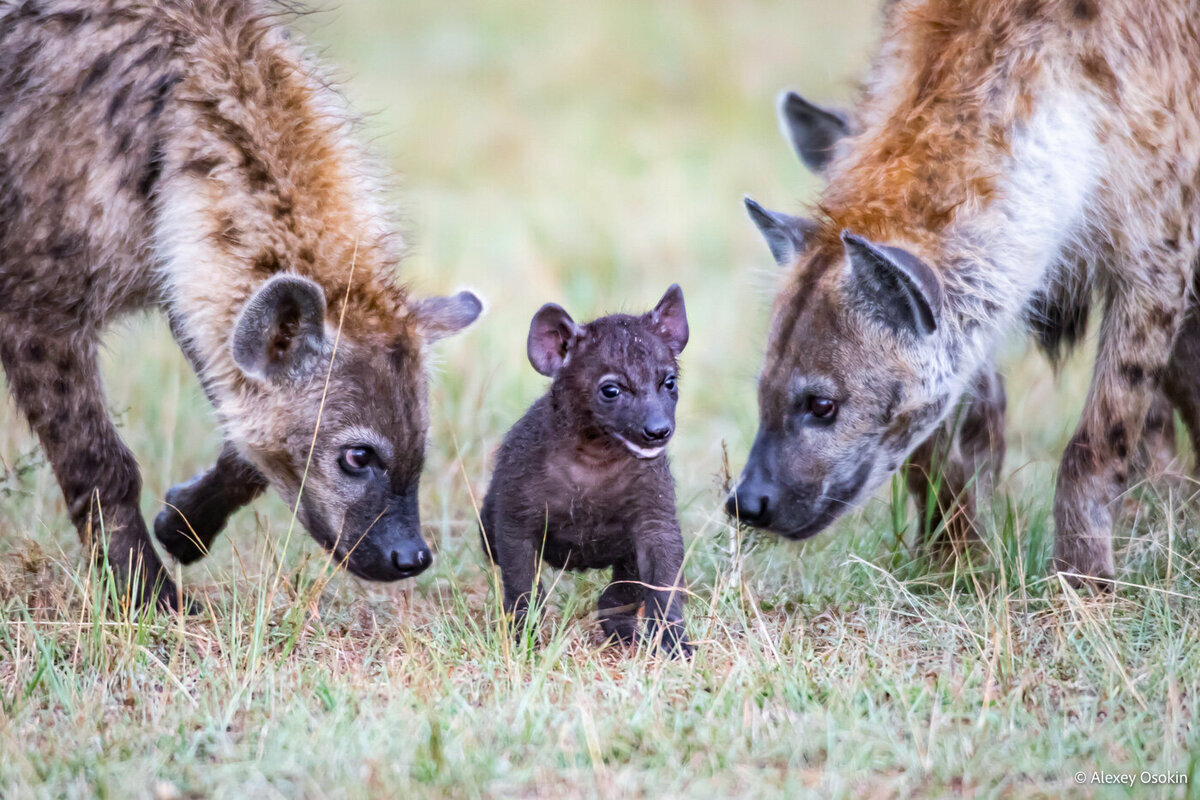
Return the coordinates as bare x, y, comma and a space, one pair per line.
582, 480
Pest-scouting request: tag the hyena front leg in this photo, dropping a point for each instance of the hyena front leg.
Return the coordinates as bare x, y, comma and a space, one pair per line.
660, 569
1136, 341
196, 511
959, 462
619, 602
56, 383
1182, 382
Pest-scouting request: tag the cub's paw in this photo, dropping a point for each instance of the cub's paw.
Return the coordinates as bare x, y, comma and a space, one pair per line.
621, 630
671, 640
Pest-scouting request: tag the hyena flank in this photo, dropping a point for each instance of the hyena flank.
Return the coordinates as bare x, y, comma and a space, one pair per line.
186, 155
582, 480
1007, 160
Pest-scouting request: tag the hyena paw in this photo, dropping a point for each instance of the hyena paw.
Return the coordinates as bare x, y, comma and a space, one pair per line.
183, 528
671, 639
620, 629
1086, 567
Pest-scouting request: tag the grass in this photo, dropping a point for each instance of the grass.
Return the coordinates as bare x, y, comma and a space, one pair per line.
591, 154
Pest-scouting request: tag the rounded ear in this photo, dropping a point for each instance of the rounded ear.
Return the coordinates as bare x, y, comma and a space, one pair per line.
893, 285
280, 333
552, 334
670, 318
813, 131
784, 233
439, 317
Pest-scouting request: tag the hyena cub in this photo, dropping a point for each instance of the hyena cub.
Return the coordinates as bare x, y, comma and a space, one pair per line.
582, 481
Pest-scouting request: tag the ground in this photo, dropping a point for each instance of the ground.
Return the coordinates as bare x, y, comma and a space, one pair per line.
591, 154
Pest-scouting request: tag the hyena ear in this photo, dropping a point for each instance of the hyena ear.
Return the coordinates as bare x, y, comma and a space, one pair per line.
669, 317
813, 131
439, 317
894, 285
552, 334
280, 332
784, 233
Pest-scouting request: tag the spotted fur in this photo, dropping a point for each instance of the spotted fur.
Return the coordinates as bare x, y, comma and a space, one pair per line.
184, 155
1032, 156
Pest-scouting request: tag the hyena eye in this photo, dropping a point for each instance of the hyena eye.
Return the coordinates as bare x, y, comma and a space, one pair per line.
821, 407
356, 459
669, 383
610, 391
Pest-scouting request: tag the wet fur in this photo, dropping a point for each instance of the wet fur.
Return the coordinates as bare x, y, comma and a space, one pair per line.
566, 493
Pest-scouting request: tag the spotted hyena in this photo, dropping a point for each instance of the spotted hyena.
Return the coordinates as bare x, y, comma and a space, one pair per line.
582, 481
1007, 162
187, 155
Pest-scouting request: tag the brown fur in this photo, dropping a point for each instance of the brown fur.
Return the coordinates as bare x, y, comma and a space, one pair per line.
178, 154
1030, 154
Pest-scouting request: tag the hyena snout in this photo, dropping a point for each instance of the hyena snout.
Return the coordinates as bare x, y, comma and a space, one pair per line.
381, 541
755, 499
657, 427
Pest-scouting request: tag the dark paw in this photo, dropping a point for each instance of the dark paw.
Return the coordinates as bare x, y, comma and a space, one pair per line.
183, 528
672, 641
171, 600
620, 630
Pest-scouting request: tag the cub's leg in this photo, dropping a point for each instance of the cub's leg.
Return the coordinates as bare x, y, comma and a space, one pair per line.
514, 545
660, 568
1136, 342
196, 511
620, 601
56, 383
957, 463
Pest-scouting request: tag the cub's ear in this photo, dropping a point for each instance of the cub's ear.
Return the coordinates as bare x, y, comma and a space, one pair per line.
812, 131
439, 317
784, 233
894, 286
669, 317
552, 335
280, 333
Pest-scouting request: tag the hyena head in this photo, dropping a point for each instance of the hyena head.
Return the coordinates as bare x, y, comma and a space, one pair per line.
337, 423
853, 379
615, 378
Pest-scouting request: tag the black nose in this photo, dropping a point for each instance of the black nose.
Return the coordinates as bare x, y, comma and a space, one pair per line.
752, 503
656, 433
412, 562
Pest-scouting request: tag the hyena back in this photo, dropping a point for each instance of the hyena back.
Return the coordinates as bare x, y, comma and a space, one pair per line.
186, 155
1006, 161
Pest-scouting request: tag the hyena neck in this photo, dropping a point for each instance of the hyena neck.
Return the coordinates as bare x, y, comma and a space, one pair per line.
995, 229
1002, 250
272, 183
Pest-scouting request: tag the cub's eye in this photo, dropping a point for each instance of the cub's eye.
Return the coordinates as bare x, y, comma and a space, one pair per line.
821, 407
610, 391
670, 383
356, 459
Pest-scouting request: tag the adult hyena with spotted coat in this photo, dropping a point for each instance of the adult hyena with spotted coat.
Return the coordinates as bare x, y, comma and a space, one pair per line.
187, 155
1008, 162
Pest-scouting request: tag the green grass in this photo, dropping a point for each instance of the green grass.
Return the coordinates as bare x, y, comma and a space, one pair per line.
592, 153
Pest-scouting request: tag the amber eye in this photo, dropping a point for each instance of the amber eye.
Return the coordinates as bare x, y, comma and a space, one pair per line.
821, 407
356, 459
610, 391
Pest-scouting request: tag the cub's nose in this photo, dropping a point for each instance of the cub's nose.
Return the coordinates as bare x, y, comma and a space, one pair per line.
411, 562
752, 503
656, 433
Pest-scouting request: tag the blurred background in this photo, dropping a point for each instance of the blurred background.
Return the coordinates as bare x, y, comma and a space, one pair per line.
584, 153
